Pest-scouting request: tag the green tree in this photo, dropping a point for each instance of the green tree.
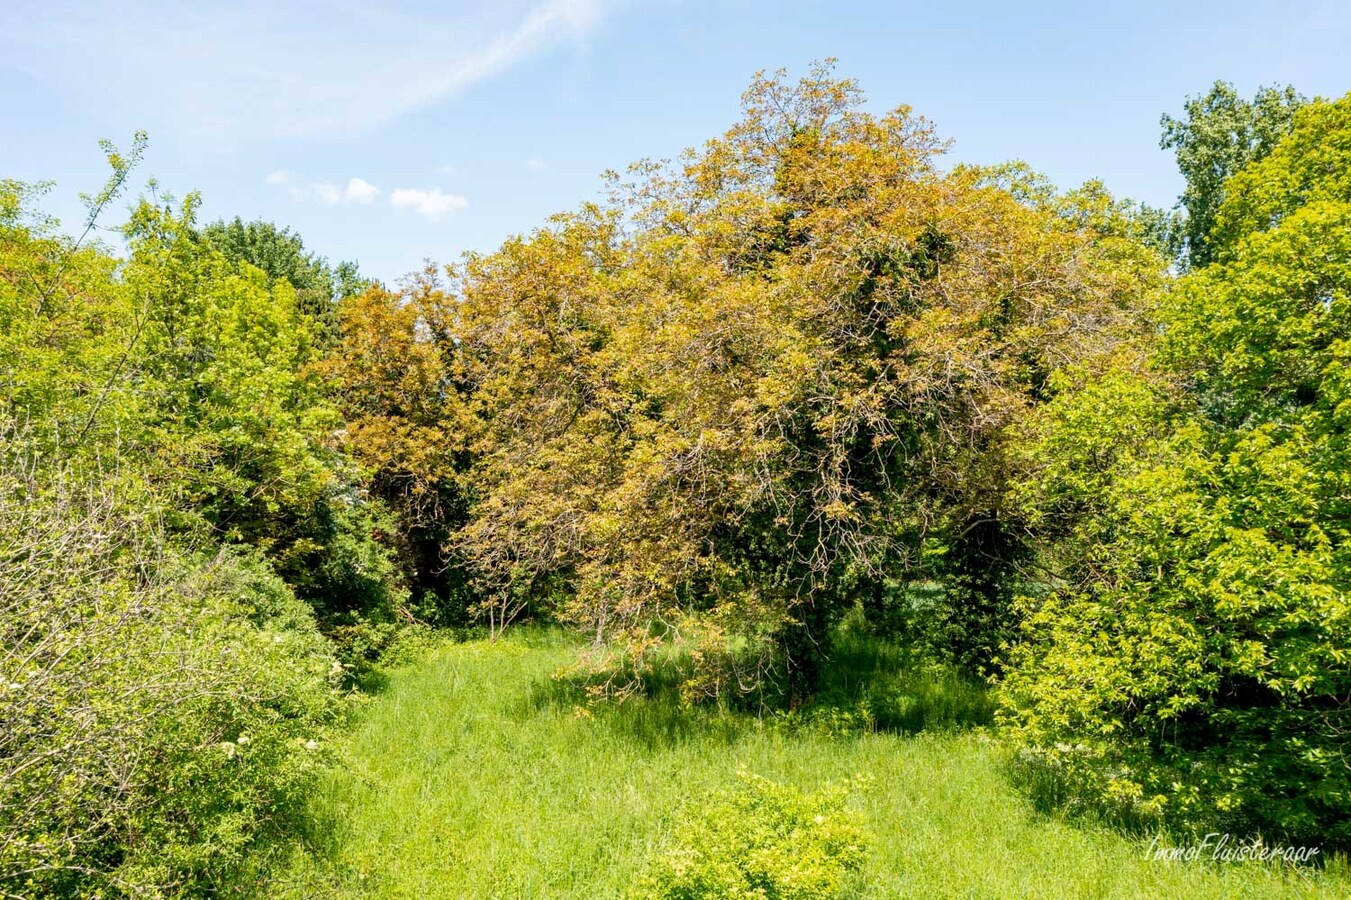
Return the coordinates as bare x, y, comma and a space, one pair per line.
241, 422
281, 254
162, 697
70, 329
1190, 663
1311, 165
1220, 133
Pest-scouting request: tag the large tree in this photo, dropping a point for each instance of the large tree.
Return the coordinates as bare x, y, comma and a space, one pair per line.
1192, 663
737, 397
282, 256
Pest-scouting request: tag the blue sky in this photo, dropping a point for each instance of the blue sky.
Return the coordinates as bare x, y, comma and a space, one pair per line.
393, 132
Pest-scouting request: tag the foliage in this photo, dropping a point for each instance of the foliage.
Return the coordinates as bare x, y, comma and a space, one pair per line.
240, 422
1192, 665
183, 358
281, 255
1306, 168
161, 684
1220, 135
753, 383
67, 331
159, 711
806, 374
763, 840
391, 370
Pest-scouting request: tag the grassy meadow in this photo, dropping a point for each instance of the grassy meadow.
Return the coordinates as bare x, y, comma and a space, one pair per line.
471, 773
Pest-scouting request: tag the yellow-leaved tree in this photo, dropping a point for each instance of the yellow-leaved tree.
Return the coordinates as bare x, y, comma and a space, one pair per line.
770, 379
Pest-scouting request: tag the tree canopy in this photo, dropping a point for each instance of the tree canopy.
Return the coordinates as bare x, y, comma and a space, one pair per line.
1221, 134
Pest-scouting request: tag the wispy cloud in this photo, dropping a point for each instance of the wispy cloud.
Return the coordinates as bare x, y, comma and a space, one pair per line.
249, 69
536, 165
432, 204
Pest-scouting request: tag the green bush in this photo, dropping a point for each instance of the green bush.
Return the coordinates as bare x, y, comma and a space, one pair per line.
764, 840
160, 712
1190, 671
1192, 663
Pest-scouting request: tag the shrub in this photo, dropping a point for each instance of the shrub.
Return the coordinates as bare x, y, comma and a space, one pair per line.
763, 840
1190, 668
160, 711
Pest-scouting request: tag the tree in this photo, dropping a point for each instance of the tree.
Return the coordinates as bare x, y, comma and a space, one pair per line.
282, 256
1190, 663
757, 382
161, 695
1220, 135
69, 329
392, 370
1309, 166
240, 421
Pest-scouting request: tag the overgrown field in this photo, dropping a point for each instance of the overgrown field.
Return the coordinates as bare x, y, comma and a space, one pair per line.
473, 775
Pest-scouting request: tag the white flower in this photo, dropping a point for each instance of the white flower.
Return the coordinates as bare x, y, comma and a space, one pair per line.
242, 739
311, 744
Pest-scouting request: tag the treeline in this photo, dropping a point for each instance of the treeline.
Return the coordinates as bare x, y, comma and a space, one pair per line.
1092, 451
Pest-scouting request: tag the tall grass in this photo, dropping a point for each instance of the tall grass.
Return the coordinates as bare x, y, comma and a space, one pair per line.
474, 775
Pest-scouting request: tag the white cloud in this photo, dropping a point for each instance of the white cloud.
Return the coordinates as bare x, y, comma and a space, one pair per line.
296, 189
328, 193
432, 204
359, 190
275, 69
536, 165
356, 190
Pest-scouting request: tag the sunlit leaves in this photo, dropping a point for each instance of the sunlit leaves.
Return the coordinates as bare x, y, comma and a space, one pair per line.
732, 384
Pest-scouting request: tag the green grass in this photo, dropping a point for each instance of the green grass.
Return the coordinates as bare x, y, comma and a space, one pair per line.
472, 775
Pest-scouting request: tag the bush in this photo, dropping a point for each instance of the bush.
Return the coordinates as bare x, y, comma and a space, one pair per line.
160, 711
763, 840
1190, 670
